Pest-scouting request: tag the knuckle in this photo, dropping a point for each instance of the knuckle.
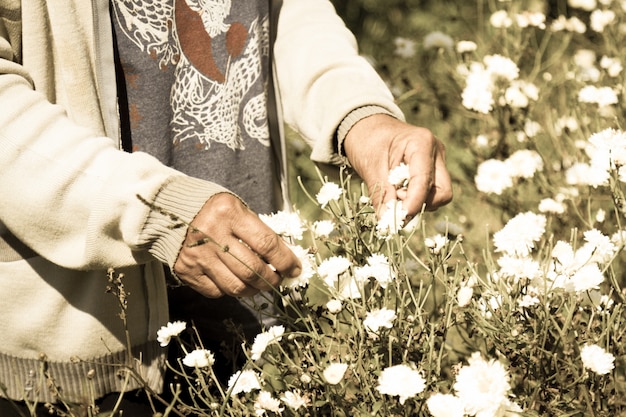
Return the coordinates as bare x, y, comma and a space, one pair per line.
268, 243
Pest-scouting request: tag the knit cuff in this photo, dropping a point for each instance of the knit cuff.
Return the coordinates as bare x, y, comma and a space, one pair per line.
173, 209
353, 118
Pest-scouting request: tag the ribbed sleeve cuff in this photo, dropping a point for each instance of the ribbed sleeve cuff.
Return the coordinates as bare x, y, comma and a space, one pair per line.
353, 118
173, 208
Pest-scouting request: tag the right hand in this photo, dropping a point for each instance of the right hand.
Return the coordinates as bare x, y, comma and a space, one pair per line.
240, 255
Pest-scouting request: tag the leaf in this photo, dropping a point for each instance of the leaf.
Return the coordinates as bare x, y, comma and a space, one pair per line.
317, 293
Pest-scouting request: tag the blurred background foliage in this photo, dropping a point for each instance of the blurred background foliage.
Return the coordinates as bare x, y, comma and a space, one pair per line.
427, 90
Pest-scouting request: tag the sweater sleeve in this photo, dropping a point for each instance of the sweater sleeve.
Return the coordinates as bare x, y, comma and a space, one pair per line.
71, 195
321, 76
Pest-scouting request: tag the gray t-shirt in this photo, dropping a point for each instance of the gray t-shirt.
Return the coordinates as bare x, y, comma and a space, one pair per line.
196, 82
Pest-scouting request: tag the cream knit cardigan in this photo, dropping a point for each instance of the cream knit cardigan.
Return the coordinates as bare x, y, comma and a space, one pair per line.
69, 208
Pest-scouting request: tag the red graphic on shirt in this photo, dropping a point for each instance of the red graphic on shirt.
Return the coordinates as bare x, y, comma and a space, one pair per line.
196, 43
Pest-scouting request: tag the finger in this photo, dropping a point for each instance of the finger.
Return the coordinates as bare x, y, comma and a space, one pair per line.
270, 247
421, 181
441, 192
222, 282
249, 268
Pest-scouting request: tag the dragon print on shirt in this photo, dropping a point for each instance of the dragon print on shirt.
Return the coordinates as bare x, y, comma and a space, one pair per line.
216, 63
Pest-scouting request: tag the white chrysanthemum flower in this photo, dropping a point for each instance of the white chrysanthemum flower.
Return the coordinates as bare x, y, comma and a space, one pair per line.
500, 19
438, 40
329, 192
550, 205
199, 358
463, 47
587, 5
597, 359
445, 405
515, 98
518, 267
377, 319
607, 149
501, 67
288, 224
244, 381
334, 373
584, 174
599, 19
262, 340
527, 300
619, 239
401, 381
585, 58
330, 269
477, 94
265, 402
487, 304
399, 176
600, 245
295, 400
524, 163
377, 267
602, 96
392, 219
483, 386
518, 236
323, 228
436, 243
586, 278
308, 268
573, 24
172, 329
405, 48
530, 19
566, 124
464, 295
334, 306
493, 177
613, 66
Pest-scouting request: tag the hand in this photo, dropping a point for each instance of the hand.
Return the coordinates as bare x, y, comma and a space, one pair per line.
229, 250
379, 143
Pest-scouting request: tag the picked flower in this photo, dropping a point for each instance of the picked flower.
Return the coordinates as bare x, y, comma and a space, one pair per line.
170, 330
399, 176
199, 358
334, 373
402, 381
262, 340
597, 359
329, 192
244, 381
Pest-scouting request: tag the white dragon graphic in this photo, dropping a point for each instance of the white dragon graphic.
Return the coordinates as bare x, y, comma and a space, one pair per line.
205, 101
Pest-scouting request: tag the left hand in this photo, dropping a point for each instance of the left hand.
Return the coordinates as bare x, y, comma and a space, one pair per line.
379, 143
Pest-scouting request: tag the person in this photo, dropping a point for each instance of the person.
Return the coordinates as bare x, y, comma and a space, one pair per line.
130, 133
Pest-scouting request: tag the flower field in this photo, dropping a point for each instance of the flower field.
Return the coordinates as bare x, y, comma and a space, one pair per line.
507, 302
